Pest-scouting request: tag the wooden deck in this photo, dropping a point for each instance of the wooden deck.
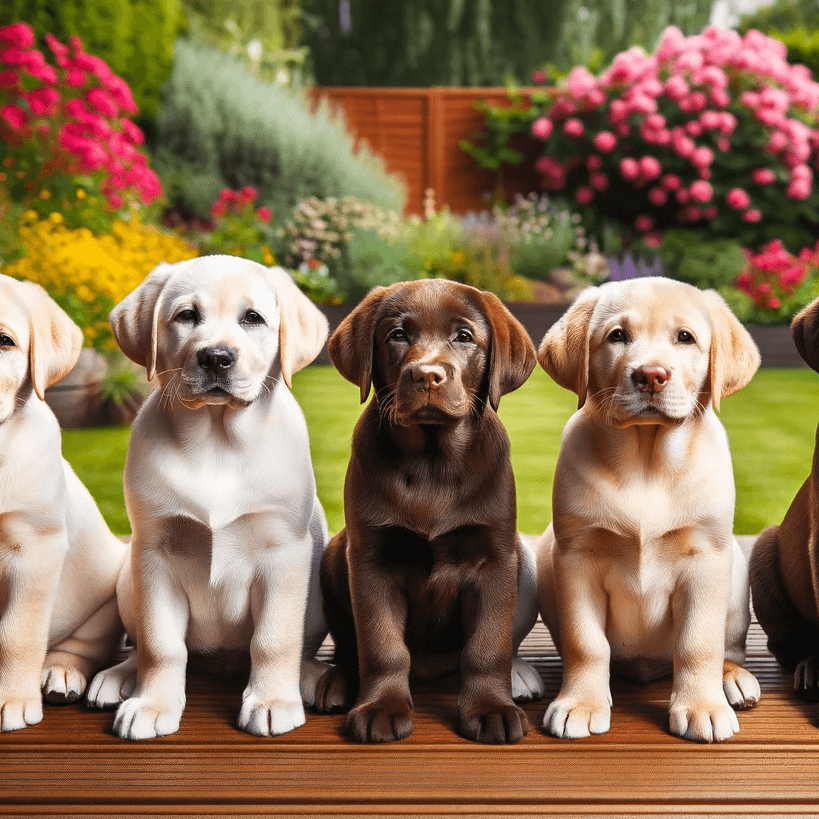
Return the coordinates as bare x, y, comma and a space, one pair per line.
71, 764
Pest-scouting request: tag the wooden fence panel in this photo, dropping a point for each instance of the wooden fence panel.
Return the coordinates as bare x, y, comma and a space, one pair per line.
418, 130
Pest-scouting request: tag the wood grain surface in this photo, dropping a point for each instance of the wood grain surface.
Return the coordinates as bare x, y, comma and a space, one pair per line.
71, 763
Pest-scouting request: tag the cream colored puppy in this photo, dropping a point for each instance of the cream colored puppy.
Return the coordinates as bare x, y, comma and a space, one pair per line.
639, 568
58, 560
227, 529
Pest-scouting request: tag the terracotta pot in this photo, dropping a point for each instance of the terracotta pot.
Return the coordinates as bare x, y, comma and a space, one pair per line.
77, 400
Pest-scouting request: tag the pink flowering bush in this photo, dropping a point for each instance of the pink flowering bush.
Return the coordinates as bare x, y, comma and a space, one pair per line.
67, 128
713, 131
777, 284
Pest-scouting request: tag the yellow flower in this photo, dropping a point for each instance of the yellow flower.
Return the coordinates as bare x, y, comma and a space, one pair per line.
56, 217
81, 194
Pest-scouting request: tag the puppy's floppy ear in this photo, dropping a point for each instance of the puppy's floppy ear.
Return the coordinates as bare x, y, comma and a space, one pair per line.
512, 355
302, 326
564, 351
805, 332
351, 345
135, 320
734, 356
55, 341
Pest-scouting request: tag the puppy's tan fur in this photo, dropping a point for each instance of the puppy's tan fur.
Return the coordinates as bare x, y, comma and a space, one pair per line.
58, 560
784, 564
227, 529
639, 568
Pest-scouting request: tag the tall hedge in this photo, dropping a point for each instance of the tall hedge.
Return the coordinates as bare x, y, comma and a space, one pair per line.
135, 37
220, 126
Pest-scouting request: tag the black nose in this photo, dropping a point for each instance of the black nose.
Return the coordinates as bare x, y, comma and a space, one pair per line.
216, 359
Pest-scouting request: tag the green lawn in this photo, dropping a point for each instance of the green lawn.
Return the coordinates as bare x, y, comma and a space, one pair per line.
771, 425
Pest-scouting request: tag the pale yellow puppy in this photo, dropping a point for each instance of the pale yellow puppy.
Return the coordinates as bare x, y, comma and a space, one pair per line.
639, 569
227, 529
58, 560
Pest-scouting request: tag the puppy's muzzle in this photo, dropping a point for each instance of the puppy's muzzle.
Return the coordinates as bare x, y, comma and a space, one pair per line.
216, 360
651, 379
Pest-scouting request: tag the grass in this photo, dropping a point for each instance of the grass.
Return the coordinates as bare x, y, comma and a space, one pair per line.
771, 425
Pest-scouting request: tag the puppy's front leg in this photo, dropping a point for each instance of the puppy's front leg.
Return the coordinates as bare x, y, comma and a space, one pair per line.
272, 703
485, 709
583, 706
699, 709
156, 706
383, 710
29, 578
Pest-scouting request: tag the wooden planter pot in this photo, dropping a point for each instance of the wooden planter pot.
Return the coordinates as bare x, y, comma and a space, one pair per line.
77, 399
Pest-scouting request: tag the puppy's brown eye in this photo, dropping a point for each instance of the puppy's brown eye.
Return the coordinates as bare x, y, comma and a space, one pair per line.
6, 341
188, 315
464, 337
618, 336
398, 335
252, 317
684, 337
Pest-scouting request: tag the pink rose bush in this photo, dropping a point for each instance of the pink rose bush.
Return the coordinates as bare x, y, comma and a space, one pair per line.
778, 283
67, 127
714, 130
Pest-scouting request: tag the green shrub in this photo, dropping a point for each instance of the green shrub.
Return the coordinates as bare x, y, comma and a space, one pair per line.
781, 16
135, 37
692, 256
220, 127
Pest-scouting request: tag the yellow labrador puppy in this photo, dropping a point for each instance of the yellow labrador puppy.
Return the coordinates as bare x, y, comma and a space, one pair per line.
639, 569
58, 560
227, 529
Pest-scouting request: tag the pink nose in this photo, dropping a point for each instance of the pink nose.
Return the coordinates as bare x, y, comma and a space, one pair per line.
651, 379
431, 376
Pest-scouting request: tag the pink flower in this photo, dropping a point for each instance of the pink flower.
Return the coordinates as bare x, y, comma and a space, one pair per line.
683, 196
763, 176
710, 120
580, 82
701, 191
226, 195
671, 182
57, 48
644, 223
774, 303
538, 76
738, 199
798, 189
605, 142
14, 116
594, 163
218, 209
43, 101
9, 79
751, 215
20, 35
574, 128
583, 196
264, 214
676, 87
724, 144
115, 201
542, 128
249, 193
702, 157
653, 240
650, 167
599, 181
102, 102
629, 169
550, 167
712, 212
657, 196
75, 78
121, 92
693, 213
132, 131
693, 128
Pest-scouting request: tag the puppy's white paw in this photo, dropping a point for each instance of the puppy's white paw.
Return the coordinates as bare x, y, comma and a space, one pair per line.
569, 718
144, 718
19, 712
312, 670
703, 722
740, 686
113, 685
61, 684
527, 684
265, 719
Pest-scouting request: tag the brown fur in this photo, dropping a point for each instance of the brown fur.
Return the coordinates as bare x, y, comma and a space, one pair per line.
784, 566
424, 577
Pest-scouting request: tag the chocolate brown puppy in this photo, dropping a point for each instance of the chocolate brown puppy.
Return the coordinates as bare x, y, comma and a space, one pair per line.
784, 564
424, 578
